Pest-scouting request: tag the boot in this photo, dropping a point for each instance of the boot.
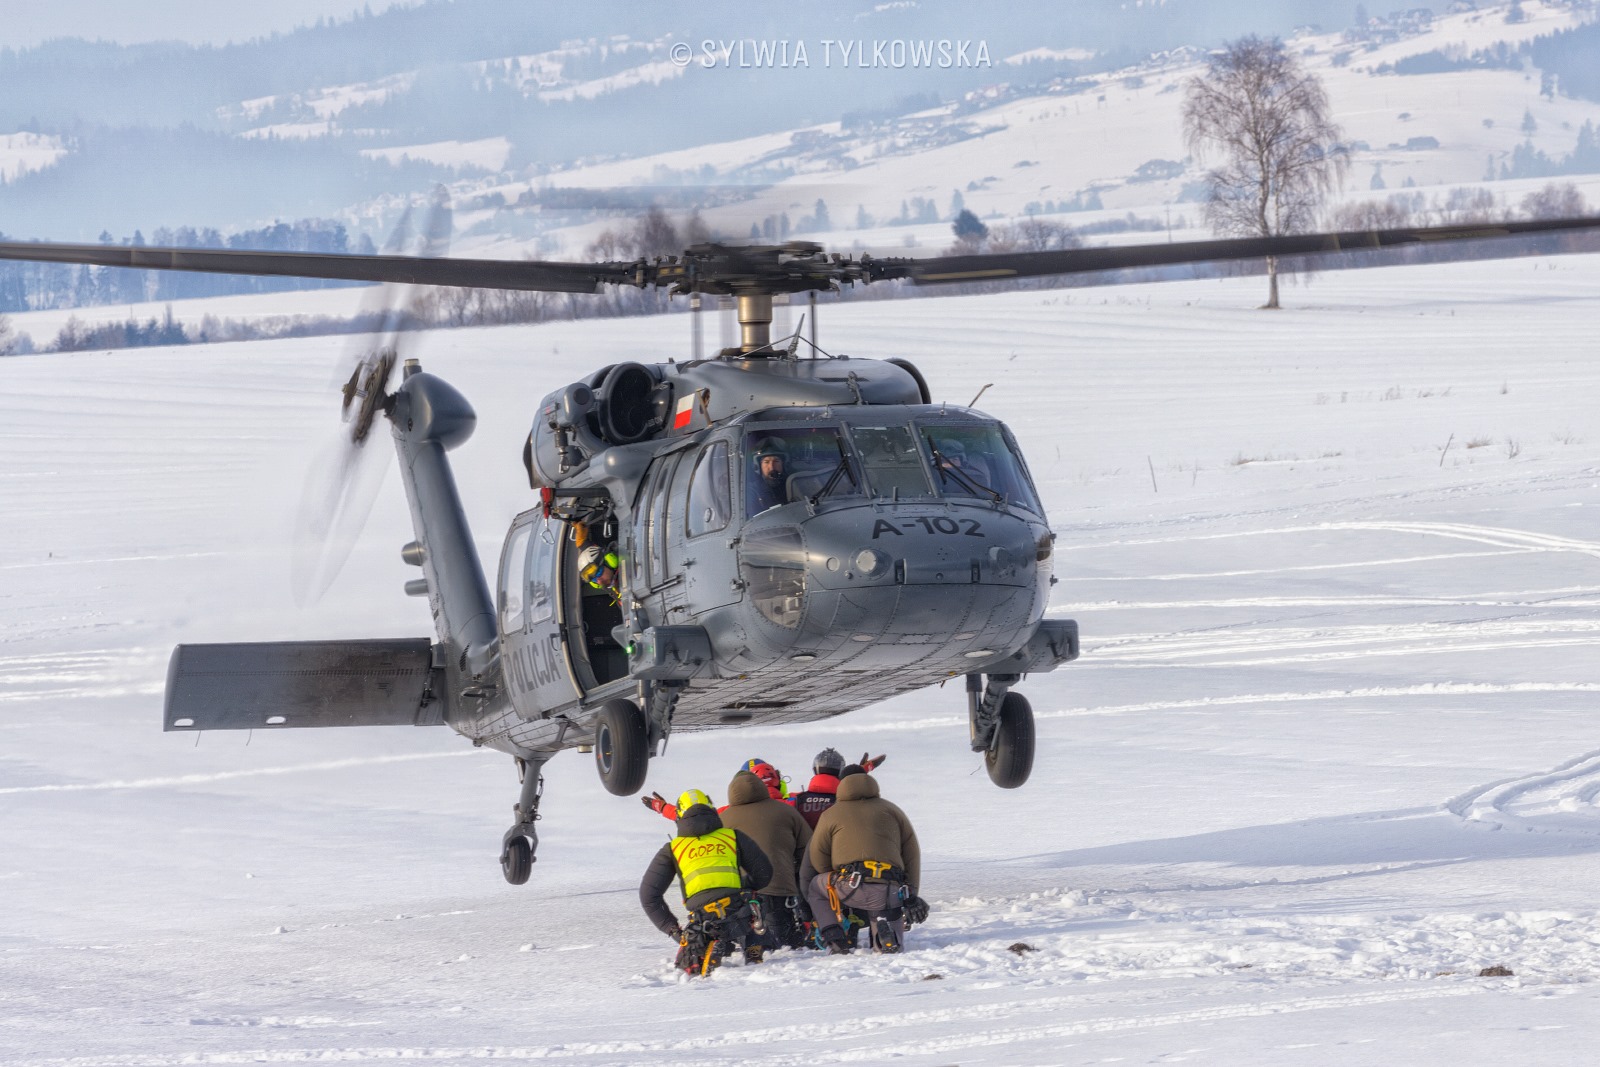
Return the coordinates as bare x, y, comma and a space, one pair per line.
753, 954
883, 935
833, 937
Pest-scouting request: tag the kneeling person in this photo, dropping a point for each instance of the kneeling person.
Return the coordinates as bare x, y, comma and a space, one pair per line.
716, 867
863, 859
783, 835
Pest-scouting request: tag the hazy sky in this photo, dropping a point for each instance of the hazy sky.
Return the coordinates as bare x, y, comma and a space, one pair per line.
28, 22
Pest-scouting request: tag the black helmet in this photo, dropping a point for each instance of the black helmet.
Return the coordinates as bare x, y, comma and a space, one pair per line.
770, 446
953, 449
828, 761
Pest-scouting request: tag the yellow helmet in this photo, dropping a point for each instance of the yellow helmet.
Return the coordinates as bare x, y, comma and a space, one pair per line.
690, 798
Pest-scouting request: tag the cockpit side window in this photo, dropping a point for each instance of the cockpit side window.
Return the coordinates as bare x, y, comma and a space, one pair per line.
710, 506
977, 461
783, 465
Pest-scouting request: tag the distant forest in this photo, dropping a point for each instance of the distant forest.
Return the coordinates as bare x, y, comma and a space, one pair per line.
38, 286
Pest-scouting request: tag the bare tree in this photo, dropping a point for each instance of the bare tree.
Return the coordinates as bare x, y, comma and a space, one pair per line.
1555, 201
1267, 123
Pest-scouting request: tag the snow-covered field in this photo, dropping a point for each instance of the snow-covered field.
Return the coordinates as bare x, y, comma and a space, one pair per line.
1330, 751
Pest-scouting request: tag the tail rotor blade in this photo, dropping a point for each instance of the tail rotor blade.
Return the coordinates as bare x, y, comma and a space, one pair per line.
342, 485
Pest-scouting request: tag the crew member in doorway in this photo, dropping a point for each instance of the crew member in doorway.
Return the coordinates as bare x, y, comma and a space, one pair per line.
598, 567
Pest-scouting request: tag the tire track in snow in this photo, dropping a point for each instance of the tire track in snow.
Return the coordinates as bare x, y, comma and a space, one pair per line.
222, 776
1498, 536
92, 673
1240, 648
1566, 788
743, 1042
1425, 689
1115, 1024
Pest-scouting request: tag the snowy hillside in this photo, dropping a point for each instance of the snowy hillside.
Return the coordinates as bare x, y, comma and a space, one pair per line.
1329, 753
1045, 126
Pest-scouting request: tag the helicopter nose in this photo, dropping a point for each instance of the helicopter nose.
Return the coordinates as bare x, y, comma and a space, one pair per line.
944, 588
849, 550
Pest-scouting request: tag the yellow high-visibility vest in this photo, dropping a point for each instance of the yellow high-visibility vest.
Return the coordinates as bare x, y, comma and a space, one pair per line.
710, 861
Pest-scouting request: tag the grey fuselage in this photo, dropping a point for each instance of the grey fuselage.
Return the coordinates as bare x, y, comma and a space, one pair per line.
844, 595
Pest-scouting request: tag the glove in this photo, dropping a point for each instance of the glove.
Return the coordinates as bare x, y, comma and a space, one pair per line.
870, 763
655, 802
675, 932
916, 910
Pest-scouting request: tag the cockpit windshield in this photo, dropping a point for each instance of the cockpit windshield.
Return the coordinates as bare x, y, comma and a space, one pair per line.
977, 460
783, 465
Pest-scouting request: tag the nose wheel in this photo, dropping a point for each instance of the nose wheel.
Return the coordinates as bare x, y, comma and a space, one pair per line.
1002, 728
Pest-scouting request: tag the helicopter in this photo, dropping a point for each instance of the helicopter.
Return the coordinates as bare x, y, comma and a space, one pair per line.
763, 536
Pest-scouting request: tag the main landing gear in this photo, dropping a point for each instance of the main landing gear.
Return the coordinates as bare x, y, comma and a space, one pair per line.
621, 747
519, 843
625, 737
1002, 728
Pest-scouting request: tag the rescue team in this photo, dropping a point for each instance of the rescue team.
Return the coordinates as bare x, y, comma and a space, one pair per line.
769, 870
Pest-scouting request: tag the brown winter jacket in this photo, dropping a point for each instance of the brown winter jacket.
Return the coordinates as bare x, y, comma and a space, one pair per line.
861, 825
780, 830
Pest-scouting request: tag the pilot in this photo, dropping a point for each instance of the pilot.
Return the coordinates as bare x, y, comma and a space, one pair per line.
863, 861
598, 566
716, 867
769, 479
953, 454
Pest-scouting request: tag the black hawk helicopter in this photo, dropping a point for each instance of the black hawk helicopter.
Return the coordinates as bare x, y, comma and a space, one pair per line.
756, 537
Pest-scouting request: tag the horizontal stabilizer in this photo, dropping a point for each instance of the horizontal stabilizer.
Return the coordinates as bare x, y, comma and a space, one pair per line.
284, 684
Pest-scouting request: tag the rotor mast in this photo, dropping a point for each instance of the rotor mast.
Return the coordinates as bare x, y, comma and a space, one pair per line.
755, 322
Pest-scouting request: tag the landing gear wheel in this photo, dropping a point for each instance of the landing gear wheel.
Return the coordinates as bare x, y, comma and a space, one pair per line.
1010, 756
622, 747
516, 862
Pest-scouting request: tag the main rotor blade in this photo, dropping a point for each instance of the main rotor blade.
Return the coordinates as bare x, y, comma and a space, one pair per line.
531, 275
988, 267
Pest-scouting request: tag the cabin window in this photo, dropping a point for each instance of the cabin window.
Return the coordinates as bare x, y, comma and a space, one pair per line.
978, 461
513, 571
660, 493
710, 506
541, 577
783, 465
892, 461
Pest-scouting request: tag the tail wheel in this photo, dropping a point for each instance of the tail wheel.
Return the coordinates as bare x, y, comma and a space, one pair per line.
1010, 756
621, 747
516, 862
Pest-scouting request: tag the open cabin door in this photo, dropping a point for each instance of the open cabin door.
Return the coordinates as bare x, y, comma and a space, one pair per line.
590, 615
537, 666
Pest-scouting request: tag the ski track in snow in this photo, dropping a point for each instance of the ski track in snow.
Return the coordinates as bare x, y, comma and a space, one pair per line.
745, 1041
1524, 540
181, 780
1560, 800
